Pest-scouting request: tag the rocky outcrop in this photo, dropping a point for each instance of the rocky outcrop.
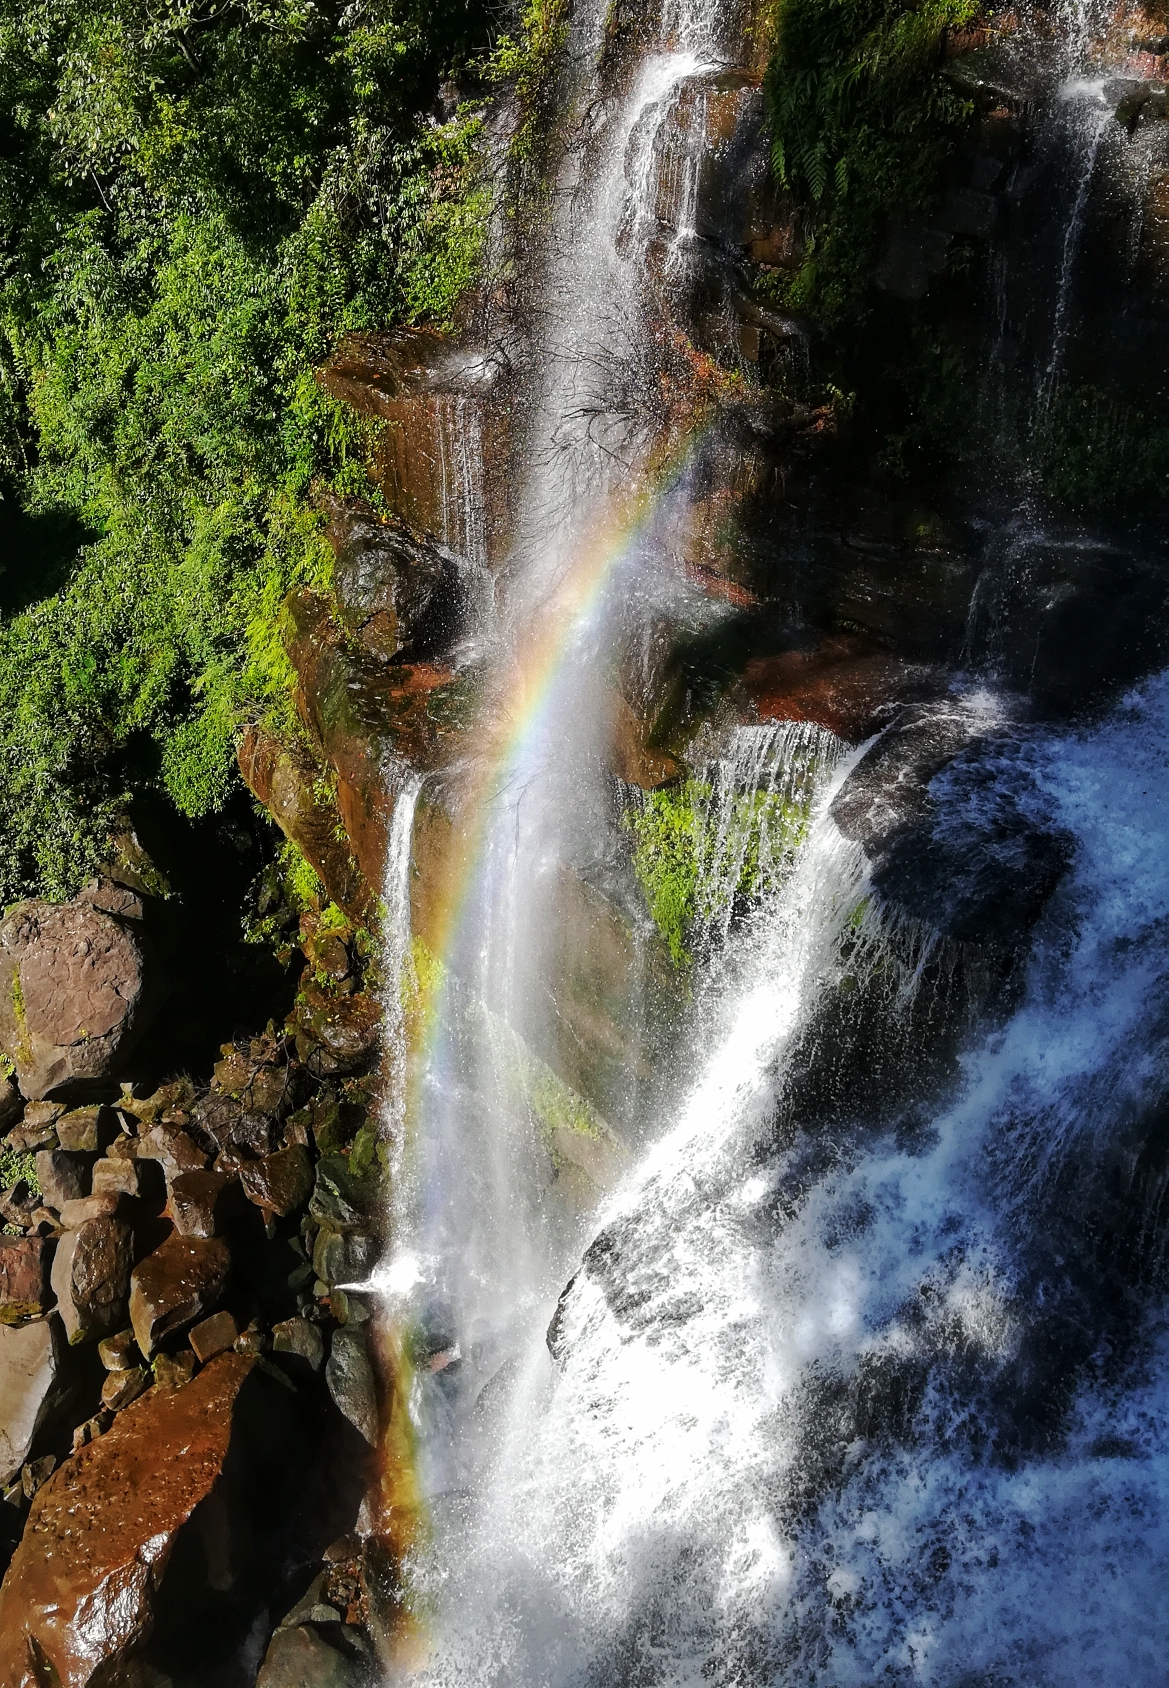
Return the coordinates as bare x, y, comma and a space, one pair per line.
443, 438
79, 1594
78, 988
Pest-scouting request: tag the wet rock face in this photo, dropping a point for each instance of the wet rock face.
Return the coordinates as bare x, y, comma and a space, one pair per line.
91, 1275
954, 841
24, 1263
351, 1382
78, 988
79, 1593
182, 1279
398, 596
30, 1388
305, 1657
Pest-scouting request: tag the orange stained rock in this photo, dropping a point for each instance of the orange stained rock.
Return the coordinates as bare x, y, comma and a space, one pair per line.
78, 1595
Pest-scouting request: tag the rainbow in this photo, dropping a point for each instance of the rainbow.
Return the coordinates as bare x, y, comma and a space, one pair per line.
516, 717
520, 713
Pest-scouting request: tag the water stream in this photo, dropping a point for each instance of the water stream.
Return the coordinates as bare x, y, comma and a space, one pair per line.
822, 1403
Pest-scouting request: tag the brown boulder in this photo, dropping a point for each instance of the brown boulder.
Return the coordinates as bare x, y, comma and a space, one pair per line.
79, 1592
62, 1177
122, 1387
75, 987
214, 1336
23, 1271
91, 1273
171, 1146
86, 1130
30, 1390
183, 1278
200, 1202
280, 1183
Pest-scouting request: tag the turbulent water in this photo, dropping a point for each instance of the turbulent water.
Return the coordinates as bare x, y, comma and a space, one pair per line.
833, 1396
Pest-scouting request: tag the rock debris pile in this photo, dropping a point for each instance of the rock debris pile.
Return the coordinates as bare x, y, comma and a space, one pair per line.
189, 1395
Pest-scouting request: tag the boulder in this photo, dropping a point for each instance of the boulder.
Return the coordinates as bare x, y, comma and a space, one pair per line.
90, 1277
122, 1387
351, 1382
10, 1104
182, 1279
279, 1183
945, 807
62, 1177
214, 1336
120, 1352
299, 1336
23, 1277
108, 1204
79, 1593
77, 988
173, 1371
201, 1202
344, 1257
303, 1658
30, 1388
173, 1148
86, 1130
342, 1199
117, 1175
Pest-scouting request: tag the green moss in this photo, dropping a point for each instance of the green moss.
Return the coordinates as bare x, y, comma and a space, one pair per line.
531, 63
16, 1164
694, 863
862, 122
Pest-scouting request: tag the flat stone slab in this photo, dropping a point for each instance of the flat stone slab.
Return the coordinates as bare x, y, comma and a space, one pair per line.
30, 1359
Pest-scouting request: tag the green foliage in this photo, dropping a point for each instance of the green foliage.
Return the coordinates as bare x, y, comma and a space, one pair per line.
1093, 450
861, 121
16, 1164
195, 202
696, 858
531, 63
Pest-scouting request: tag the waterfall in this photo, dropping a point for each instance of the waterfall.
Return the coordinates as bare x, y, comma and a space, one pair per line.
462, 491
479, 1250
705, 1487
814, 1396
396, 957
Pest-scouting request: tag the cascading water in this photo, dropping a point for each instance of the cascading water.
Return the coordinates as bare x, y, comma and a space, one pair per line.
834, 1383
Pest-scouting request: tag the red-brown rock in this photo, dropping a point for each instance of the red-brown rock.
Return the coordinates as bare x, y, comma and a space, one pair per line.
79, 1592
200, 1202
183, 1278
75, 987
24, 1265
841, 684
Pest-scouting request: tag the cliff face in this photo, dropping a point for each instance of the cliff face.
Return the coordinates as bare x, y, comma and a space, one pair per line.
952, 482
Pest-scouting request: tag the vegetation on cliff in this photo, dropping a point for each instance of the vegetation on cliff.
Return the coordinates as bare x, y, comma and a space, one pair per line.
862, 121
698, 854
195, 201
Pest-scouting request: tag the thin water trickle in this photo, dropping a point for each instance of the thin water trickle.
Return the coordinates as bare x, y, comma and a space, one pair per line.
396, 959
